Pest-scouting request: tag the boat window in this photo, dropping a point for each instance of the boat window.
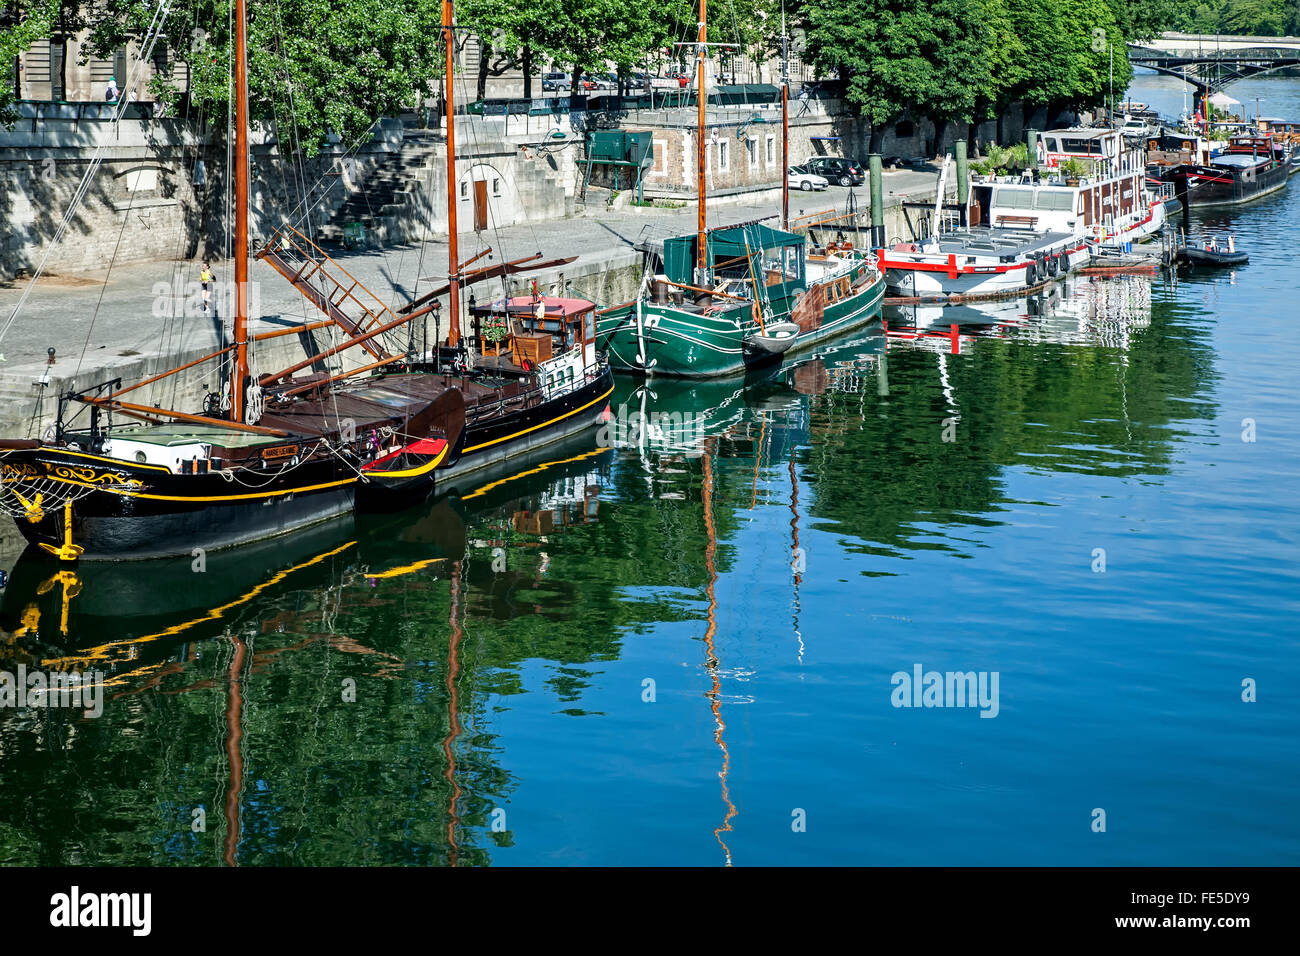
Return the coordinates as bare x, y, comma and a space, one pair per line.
1014, 198
1082, 146
1054, 201
590, 320
569, 374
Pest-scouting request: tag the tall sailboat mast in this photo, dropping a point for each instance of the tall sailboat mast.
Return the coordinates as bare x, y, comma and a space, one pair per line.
785, 127
701, 59
241, 213
453, 266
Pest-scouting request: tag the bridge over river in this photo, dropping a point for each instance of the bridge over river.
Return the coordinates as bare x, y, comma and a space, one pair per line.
1211, 63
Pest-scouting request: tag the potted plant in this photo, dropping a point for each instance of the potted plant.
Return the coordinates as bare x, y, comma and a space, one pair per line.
1073, 170
496, 331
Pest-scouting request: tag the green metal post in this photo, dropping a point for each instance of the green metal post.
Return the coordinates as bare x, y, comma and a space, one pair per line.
877, 202
963, 177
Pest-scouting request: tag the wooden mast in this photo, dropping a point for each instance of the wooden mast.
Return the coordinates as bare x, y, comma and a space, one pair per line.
785, 130
701, 237
241, 214
453, 267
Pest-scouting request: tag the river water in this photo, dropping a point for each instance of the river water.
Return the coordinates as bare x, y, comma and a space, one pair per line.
682, 641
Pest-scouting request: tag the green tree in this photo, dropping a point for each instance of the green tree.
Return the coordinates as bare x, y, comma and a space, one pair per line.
315, 66
949, 59
1075, 52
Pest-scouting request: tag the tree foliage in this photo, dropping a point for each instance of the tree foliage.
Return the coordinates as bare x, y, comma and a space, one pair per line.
965, 59
315, 66
1239, 17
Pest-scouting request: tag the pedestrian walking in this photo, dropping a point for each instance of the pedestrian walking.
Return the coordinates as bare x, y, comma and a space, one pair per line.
205, 277
111, 94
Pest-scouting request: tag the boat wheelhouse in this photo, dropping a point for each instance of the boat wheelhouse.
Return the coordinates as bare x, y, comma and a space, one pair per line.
1110, 200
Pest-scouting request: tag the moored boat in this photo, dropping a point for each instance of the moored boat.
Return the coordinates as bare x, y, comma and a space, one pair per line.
1214, 257
273, 453
731, 298
1090, 193
1252, 167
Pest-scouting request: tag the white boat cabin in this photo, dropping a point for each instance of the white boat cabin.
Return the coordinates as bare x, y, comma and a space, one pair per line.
1104, 197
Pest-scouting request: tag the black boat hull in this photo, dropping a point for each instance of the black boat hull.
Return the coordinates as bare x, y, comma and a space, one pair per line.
125, 511
1221, 186
493, 440
122, 511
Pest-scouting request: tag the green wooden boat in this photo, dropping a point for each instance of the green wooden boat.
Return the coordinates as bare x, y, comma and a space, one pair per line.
762, 295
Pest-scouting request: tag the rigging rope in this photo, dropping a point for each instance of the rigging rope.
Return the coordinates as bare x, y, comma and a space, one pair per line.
150, 39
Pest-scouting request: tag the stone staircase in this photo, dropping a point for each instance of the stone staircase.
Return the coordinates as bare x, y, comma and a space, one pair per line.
387, 193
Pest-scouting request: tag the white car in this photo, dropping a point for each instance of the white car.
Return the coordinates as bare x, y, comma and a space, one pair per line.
799, 178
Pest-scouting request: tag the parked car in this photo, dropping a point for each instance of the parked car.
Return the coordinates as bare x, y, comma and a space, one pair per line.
799, 178
905, 162
556, 82
837, 169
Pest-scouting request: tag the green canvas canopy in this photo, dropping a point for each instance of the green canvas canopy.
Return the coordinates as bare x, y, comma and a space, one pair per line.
727, 242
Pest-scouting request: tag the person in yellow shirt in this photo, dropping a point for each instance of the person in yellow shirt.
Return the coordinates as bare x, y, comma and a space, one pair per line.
205, 277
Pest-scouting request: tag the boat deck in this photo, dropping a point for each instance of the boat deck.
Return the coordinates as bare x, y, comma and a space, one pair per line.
993, 241
373, 403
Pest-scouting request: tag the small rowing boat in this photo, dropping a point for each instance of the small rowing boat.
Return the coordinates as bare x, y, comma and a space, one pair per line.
1214, 257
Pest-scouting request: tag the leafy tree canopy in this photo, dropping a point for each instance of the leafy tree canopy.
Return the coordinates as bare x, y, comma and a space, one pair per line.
315, 66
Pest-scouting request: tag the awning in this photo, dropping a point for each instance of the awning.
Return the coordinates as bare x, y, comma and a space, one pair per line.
726, 243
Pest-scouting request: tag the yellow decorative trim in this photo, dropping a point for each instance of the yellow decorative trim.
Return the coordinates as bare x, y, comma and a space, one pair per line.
268, 494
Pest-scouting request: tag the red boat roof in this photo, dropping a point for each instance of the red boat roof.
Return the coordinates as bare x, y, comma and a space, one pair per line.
527, 305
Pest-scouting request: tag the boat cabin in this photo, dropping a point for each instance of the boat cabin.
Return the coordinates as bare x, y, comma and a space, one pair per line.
1105, 149
742, 258
1106, 198
552, 337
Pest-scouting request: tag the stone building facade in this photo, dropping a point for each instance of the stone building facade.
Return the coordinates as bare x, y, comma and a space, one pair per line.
52, 70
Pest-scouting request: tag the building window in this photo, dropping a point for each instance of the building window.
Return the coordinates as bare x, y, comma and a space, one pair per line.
464, 190
751, 152
496, 187
724, 156
771, 150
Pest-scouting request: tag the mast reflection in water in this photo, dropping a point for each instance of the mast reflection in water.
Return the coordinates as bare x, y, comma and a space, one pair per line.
670, 642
